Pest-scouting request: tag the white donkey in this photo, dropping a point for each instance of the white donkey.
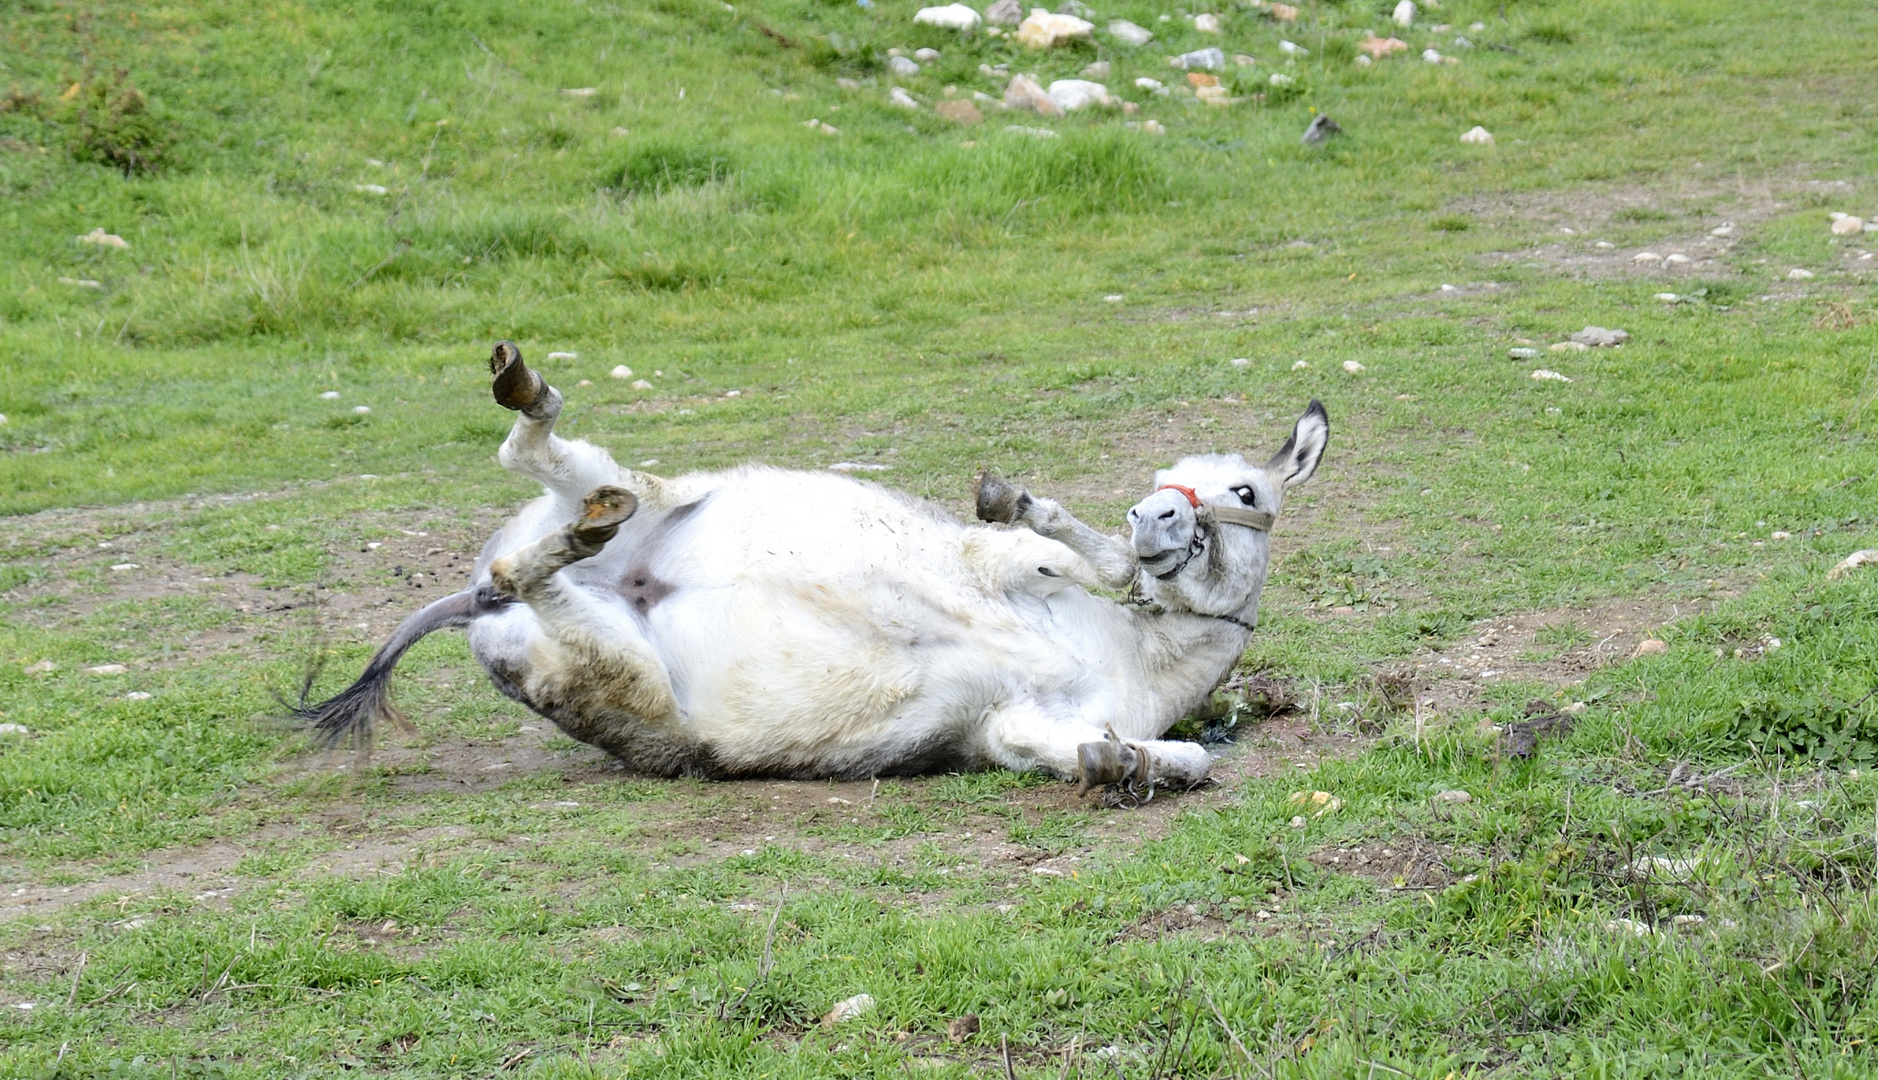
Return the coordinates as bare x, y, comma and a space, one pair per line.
764, 622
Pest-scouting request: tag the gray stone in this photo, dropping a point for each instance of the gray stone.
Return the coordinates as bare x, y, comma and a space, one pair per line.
1321, 129
1599, 337
1005, 13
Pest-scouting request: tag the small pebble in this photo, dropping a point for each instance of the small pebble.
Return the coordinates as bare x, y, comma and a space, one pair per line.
1543, 375
1780, 534
902, 65
1300, 365
1667, 297
1797, 274
641, 384
1453, 796
563, 356
1726, 228
15, 729
1652, 647
925, 56
137, 695
1523, 354
621, 372
901, 98
1646, 257
1475, 136
330, 395
126, 566
107, 669
1112, 298
1241, 361
1353, 367
848, 1009
361, 409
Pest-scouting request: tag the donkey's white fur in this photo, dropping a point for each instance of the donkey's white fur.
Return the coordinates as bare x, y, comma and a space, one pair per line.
759, 621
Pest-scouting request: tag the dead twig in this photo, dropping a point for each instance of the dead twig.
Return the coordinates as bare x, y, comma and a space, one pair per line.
1004, 1047
83, 958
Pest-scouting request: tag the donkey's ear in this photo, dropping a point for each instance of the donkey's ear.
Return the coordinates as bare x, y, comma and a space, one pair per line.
1298, 458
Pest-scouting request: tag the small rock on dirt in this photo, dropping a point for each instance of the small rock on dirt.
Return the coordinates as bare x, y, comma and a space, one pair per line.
903, 65
1848, 226
1547, 375
1129, 34
641, 384
1851, 562
1072, 94
1353, 367
1024, 93
926, 56
15, 729
959, 112
1599, 337
1202, 59
1569, 346
107, 669
1454, 796
1652, 647
901, 99
1797, 274
1284, 12
949, 17
848, 1009
1321, 129
104, 239
1476, 135
962, 1028
621, 372
1206, 24
1042, 30
1377, 48
1523, 354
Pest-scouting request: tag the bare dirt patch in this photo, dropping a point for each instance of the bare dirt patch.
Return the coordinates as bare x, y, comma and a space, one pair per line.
1401, 862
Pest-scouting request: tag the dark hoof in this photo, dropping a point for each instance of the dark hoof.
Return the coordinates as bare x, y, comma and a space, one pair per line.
998, 501
602, 512
1103, 763
516, 386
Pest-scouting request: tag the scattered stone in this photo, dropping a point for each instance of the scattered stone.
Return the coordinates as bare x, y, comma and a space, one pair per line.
1797, 274
1604, 245
584, 382
126, 566
1476, 135
1848, 226
1667, 297
1113, 298
1668, 869
1688, 920
1097, 71
371, 189
1129, 34
1292, 48
1463, 43
1353, 367
329, 395
83, 283
1146, 127
1203, 59
1569, 346
1652, 647
137, 695
1726, 228
1646, 257
1523, 354
903, 65
1629, 926
951, 17
1284, 12
1323, 801
1321, 129
1454, 796
1300, 365
848, 1009
581, 91
1005, 13
1850, 563
1378, 48
1152, 86
1206, 24
1599, 337
1033, 132
641, 384
959, 112
1362, 61
815, 124
848, 84
1405, 13
1072, 94
1046, 871
361, 409
1780, 534
15, 729
563, 356
1430, 56
1241, 361
111, 240
1546, 375
43, 667
1282, 80
1242, 60
926, 56
901, 99
1677, 259
1042, 30
621, 372
859, 466
1199, 80
1023, 93
107, 669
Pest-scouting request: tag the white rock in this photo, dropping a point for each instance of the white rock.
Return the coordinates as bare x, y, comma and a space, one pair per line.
371, 189
1477, 27
1033, 132
137, 695
1543, 375
104, 239
1836, 215
950, 17
1666, 297
329, 395
361, 409
1362, 60
1677, 259
1431, 56
1042, 30
1726, 228
15, 729
1628, 926
1780, 534
1241, 361
563, 356
1453, 796
1848, 226
1129, 34
641, 384
1146, 127
1476, 135
1797, 274
1449, 288
1463, 43
83, 283
926, 56
126, 566
1200, 59
3, 419
1152, 86
1072, 94
1604, 244
581, 91
1569, 346
901, 98
1523, 354
621, 372
1206, 24
1292, 48
1599, 337
857, 1005
1005, 13
1113, 298
1023, 93
1099, 71
1853, 561
107, 669
1282, 80
1300, 365
858, 466
903, 65
1405, 13
1646, 257
1353, 367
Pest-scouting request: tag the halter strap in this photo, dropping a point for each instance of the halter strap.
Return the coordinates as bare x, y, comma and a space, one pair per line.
1231, 515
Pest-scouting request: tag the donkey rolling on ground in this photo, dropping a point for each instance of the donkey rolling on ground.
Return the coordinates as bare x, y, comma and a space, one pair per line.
767, 622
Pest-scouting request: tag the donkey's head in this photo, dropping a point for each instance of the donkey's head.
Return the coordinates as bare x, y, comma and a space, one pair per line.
1203, 534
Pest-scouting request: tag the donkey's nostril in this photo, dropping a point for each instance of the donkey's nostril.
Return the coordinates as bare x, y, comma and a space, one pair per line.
1167, 516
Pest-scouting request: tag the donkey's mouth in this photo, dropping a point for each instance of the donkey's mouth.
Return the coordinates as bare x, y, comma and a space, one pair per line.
1162, 562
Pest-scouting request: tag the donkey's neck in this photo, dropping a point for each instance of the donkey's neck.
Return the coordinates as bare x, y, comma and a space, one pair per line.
1186, 654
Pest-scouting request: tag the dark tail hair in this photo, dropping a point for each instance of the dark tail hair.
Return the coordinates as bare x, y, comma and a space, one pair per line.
366, 702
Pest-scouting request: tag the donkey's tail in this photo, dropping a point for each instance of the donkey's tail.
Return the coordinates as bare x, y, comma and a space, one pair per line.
366, 702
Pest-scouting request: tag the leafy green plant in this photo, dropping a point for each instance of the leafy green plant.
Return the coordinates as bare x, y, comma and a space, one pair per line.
111, 124
1809, 726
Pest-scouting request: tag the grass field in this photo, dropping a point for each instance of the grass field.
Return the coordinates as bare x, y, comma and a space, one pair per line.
356, 198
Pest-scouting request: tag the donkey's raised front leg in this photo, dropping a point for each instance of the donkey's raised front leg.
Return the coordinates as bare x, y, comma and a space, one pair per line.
1112, 558
1022, 735
567, 469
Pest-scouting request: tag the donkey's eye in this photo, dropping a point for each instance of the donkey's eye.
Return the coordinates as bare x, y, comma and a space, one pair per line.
1246, 495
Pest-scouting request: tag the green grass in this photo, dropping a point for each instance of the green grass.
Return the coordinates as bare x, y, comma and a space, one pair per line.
932, 298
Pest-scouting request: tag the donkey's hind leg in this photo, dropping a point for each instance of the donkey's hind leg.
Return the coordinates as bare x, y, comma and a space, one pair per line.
1000, 501
568, 469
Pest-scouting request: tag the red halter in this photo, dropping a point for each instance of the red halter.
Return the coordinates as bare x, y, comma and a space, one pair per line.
1192, 496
